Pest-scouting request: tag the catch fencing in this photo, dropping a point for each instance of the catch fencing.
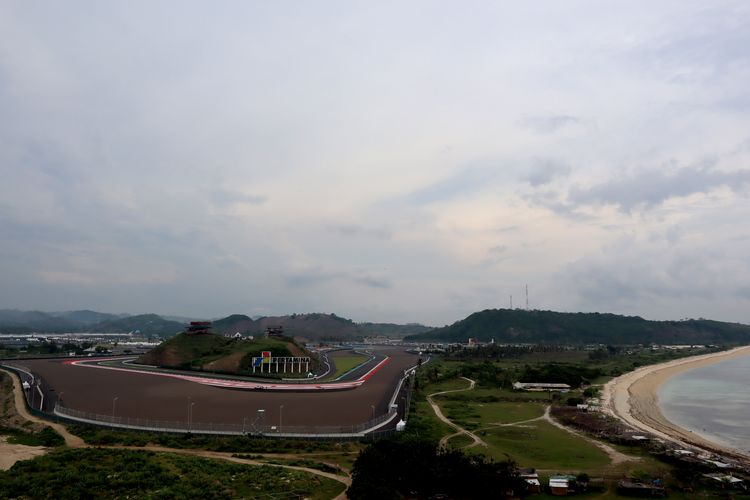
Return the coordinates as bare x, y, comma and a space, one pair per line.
379, 426
247, 427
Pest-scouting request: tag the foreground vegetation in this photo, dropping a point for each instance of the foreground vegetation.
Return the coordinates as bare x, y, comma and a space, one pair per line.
19, 430
99, 436
512, 424
98, 473
417, 468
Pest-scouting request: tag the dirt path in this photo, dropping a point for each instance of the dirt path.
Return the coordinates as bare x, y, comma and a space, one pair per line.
615, 456
18, 398
12, 453
76, 442
459, 430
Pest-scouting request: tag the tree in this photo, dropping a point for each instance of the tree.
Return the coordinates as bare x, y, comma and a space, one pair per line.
393, 468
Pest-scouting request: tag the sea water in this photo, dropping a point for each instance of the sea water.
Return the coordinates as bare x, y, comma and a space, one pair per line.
712, 401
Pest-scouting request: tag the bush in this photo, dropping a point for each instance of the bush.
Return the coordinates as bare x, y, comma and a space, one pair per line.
393, 468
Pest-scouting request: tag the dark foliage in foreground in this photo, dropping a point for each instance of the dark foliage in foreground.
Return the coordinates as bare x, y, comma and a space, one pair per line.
46, 437
106, 473
99, 436
419, 469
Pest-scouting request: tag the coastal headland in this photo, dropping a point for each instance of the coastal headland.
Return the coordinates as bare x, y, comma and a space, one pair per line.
633, 397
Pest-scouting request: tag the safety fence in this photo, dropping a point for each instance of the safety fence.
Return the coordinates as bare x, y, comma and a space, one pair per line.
248, 427
380, 426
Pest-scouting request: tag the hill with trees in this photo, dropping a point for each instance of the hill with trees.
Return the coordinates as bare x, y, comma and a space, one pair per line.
550, 327
13, 321
211, 352
312, 326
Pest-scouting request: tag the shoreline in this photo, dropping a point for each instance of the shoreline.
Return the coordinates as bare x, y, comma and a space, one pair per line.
633, 398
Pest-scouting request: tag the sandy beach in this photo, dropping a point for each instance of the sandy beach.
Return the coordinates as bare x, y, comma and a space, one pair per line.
632, 397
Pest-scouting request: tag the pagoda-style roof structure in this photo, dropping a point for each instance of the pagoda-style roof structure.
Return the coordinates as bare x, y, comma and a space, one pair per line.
199, 328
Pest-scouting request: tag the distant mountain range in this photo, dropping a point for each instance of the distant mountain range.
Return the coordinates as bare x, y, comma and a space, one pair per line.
22, 322
549, 327
309, 326
313, 326
502, 325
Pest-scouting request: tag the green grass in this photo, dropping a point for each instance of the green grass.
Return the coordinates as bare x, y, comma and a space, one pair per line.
541, 445
46, 437
473, 415
346, 363
460, 441
195, 351
297, 462
496, 394
100, 473
236, 444
447, 385
423, 423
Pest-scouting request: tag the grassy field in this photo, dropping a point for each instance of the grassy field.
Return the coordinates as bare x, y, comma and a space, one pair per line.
448, 385
460, 441
543, 446
346, 363
476, 415
100, 473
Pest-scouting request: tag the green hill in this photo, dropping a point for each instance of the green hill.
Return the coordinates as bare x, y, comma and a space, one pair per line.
306, 326
521, 326
235, 323
392, 329
210, 352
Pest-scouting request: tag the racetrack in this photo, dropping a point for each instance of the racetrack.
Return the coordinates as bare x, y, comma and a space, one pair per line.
152, 396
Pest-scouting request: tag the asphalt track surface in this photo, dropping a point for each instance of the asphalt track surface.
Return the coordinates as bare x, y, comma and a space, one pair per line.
151, 396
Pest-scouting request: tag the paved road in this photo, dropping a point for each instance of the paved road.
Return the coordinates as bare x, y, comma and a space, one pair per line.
161, 398
76, 442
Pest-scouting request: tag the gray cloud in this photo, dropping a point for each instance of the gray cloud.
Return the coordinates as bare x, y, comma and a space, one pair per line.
320, 276
360, 230
228, 197
372, 281
464, 183
548, 124
649, 188
545, 171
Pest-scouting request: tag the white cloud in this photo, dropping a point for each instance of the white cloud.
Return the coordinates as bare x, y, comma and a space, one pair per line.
385, 161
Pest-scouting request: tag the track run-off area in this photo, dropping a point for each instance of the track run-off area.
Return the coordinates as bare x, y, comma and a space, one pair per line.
91, 387
230, 383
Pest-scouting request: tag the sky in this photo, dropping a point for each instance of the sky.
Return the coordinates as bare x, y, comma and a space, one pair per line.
384, 161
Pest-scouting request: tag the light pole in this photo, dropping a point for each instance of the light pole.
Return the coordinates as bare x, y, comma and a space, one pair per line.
188, 411
190, 417
281, 409
59, 398
244, 420
373, 411
114, 400
260, 418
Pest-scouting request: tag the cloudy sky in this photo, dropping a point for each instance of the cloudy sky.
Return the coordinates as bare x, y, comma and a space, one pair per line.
386, 161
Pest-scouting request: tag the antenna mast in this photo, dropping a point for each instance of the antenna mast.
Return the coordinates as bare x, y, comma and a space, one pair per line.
527, 297
511, 302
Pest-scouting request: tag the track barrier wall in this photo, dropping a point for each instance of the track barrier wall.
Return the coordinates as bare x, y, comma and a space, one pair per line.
377, 427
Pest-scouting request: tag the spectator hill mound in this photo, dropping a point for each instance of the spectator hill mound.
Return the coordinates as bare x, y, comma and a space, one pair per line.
217, 353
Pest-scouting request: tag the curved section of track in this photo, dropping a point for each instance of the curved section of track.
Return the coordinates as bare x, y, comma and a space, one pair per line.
149, 395
235, 383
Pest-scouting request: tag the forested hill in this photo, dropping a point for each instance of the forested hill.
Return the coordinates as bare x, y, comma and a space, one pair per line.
521, 326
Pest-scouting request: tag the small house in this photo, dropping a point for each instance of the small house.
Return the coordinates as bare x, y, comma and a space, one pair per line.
561, 485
